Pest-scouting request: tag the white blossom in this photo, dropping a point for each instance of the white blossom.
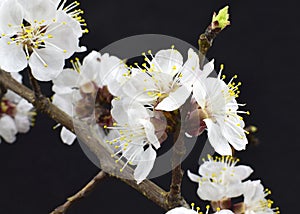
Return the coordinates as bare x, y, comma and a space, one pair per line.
87, 77
15, 114
35, 33
163, 81
255, 199
220, 178
219, 111
76, 14
137, 140
183, 210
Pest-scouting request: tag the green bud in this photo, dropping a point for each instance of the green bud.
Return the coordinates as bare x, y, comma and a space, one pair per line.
222, 19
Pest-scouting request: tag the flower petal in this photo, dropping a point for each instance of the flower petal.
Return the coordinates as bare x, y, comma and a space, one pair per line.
233, 133
209, 168
65, 82
210, 191
181, 210
242, 172
46, 64
8, 129
190, 70
175, 99
38, 10
139, 87
168, 61
67, 136
207, 69
11, 15
67, 45
235, 190
64, 102
145, 165
216, 139
199, 93
150, 133
193, 177
12, 57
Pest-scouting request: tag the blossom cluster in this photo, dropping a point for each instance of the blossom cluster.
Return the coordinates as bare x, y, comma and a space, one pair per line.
220, 180
39, 33
136, 106
138, 103
16, 114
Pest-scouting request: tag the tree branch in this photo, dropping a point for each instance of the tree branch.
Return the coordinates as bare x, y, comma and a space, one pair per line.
81, 194
108, 164
43, 105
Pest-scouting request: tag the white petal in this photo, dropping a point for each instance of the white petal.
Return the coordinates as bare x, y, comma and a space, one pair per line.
199, 93
64, 102
210, 191
138, 87
216, 139
12, 57
67, 136
22, 123
145, 165
12, 96
8, 129
117, 112
56, 2
133, 152
65, 82
253, 191
207, 69
224, 212
150, 133
24, 106
135, 111
111, 68
233, 133
38, 10
235, 190
22, 117
208, 168
67, 45
193, 177
90, 69
190, 70
214, 90
181, 210
17, 76
11, 13
175, 99
54, 64
242, 172
168, 61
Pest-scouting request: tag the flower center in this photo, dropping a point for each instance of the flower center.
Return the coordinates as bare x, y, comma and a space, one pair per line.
7, 108
33, 36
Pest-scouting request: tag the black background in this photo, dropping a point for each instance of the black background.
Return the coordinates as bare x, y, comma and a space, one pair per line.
39, 172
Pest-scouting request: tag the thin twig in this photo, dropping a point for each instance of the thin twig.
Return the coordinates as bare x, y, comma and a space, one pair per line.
35, 85
81, 194
174, 196
2, 91
108, 164
205, 42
